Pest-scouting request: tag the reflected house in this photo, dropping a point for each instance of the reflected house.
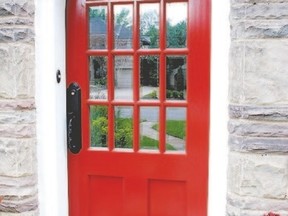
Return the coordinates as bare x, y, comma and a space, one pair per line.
176, 65
98, 29
123, 37
176, 77
123, 40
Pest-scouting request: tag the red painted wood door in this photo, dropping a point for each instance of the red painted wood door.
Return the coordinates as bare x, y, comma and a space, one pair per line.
143, 69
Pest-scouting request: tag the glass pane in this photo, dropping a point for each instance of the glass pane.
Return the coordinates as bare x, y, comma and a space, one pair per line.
123, 127
98, 126
149, 77
176, 25
123, 26
123, 77
98, 77
149, 121
98, 27
149, 25
176, 78
176, 129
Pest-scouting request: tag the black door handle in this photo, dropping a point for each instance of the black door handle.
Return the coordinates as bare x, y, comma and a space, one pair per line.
74, 136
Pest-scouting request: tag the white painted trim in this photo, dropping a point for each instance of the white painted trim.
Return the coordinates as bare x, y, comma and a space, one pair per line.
50, 102
219, 108
50, 105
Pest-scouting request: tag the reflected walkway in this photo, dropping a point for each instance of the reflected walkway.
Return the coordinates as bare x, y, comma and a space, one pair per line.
147, 130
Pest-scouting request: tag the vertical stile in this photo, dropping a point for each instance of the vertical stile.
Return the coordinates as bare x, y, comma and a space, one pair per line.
190, 88
188, 78
110, 77
136, 79
85, 90
162, 81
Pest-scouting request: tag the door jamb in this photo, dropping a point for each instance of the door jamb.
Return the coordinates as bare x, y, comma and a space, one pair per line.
51, 107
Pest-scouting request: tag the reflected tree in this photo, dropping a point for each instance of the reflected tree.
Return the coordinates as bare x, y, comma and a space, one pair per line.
176, 34
122, 18
97, 13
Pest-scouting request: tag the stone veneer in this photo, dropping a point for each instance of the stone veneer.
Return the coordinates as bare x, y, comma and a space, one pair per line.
18, 168
258, 97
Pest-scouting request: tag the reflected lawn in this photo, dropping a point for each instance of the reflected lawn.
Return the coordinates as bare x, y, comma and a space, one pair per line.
149, 143
176, 128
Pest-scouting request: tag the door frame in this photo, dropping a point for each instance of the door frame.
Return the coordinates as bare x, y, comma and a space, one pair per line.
51, 111
51, 107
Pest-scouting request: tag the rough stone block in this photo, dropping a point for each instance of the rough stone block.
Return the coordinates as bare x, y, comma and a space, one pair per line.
259, 29
18, 130
232, 211
236, 65
258, 176
16, 21
259, 11
18, 157
23, 63
17, 71
258, 144
248, 206
19, 104
8, 81
258, 129
18, 117
16, 34
17, 8
267, 56
257, 1
259, 113
261, 77
18, 186
30, 213
19, 204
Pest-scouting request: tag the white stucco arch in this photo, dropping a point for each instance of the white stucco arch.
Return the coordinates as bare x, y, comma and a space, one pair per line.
50, 103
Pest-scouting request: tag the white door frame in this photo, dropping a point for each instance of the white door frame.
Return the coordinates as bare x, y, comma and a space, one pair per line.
51, 99
50, 105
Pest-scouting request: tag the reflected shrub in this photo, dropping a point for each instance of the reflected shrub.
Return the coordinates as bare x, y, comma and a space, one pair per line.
173, 94
99, 128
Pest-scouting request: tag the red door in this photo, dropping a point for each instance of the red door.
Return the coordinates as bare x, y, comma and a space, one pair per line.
143, 70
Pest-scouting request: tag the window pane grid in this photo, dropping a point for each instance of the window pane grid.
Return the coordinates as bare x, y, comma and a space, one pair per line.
136, 51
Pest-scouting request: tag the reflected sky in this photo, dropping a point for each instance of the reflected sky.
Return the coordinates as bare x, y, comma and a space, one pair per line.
179, 11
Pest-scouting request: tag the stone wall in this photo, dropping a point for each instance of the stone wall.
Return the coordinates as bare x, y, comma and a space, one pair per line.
18, 178
258, 97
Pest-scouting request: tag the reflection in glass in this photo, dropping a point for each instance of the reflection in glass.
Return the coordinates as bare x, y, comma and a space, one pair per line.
123, 77
176, 129
98, 77
149, 121
176, 25
149, 77
123, 127
98, 27
149, 25
176, 77
123, 26
98, 126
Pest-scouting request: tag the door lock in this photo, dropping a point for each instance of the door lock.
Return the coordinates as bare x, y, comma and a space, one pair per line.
74, 137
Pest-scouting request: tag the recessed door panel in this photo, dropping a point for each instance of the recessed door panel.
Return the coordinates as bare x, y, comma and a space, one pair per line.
105, 195
167, 198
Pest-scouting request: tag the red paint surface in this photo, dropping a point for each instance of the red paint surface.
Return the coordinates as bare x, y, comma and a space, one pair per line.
142, 184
